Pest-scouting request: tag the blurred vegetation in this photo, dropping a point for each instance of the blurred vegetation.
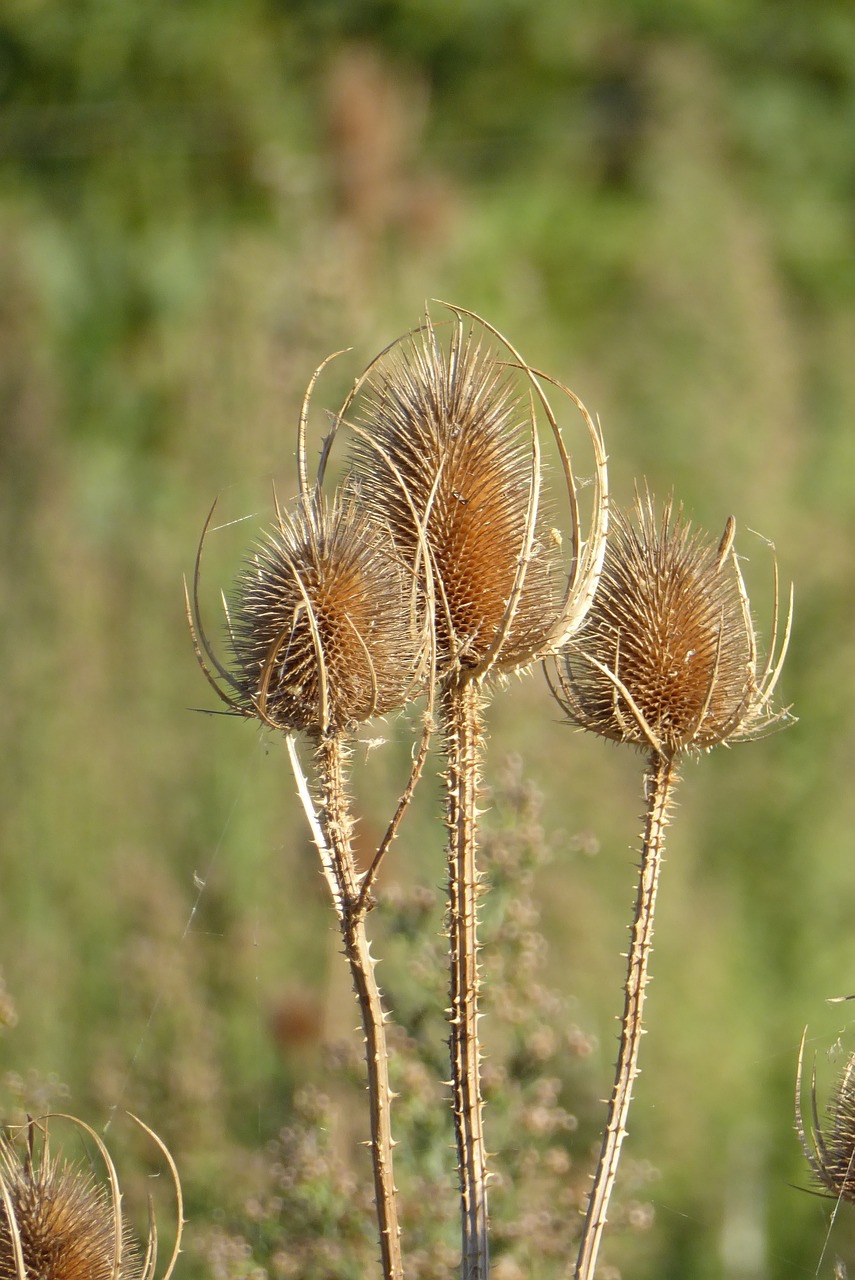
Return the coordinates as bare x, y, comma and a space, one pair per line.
198, 202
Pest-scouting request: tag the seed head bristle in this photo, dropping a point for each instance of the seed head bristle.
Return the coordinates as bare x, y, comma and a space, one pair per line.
455, 419
322, 625
667, 656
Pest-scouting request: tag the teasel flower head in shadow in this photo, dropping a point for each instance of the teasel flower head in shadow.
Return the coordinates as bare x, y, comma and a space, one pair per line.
57, 1222
668, 656
830, 1152
448, 424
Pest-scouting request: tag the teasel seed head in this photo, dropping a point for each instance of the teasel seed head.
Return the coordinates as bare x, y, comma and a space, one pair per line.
57, 1222
322, 624
448, 452
831, 1155
667, 658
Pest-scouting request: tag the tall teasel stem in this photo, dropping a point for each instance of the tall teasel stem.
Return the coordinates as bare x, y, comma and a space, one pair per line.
461, 714
337, 823
666, 662
448, 450
659, 781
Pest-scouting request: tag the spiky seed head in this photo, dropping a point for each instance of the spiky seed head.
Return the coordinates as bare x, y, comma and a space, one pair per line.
667, 656
65, 1221
322, 627
831, 1153
451, 419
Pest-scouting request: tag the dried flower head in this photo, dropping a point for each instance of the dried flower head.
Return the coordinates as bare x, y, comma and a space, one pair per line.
448, 450
58, 1223
831, 1155
667, 657
322, 627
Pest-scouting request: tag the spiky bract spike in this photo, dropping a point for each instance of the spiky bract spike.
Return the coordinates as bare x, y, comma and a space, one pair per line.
667, 657
323, 628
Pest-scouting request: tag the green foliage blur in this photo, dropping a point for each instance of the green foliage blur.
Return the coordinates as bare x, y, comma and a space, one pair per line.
198, 203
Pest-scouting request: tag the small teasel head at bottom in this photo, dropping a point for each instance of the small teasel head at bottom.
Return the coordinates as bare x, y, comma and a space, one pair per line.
668, 658
58, 1222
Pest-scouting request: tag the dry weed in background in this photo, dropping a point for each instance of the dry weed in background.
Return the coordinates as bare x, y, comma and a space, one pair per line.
667, 662
449, 452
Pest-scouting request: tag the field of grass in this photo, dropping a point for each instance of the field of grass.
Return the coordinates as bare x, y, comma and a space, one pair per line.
656, 203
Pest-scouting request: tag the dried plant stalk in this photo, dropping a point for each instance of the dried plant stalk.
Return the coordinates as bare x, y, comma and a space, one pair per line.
451, 425
337, 823
659, 781
461, 717
667, 662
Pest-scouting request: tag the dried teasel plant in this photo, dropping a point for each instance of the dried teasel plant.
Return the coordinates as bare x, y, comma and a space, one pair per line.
830, 1153
328, 626
58, 1222
667, 661
449, 421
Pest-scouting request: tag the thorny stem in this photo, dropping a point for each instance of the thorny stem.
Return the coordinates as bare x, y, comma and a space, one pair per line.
659, 781
461, 713
337, 824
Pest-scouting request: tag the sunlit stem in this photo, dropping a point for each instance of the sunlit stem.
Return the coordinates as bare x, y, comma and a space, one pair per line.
461, 716
660, 779
337, 824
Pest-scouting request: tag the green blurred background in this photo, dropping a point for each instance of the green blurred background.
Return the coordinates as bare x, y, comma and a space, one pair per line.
198, 202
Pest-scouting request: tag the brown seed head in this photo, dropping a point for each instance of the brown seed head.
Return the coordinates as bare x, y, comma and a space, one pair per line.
58, 1223
667, 657
830, 1154
322, 628
452, 418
